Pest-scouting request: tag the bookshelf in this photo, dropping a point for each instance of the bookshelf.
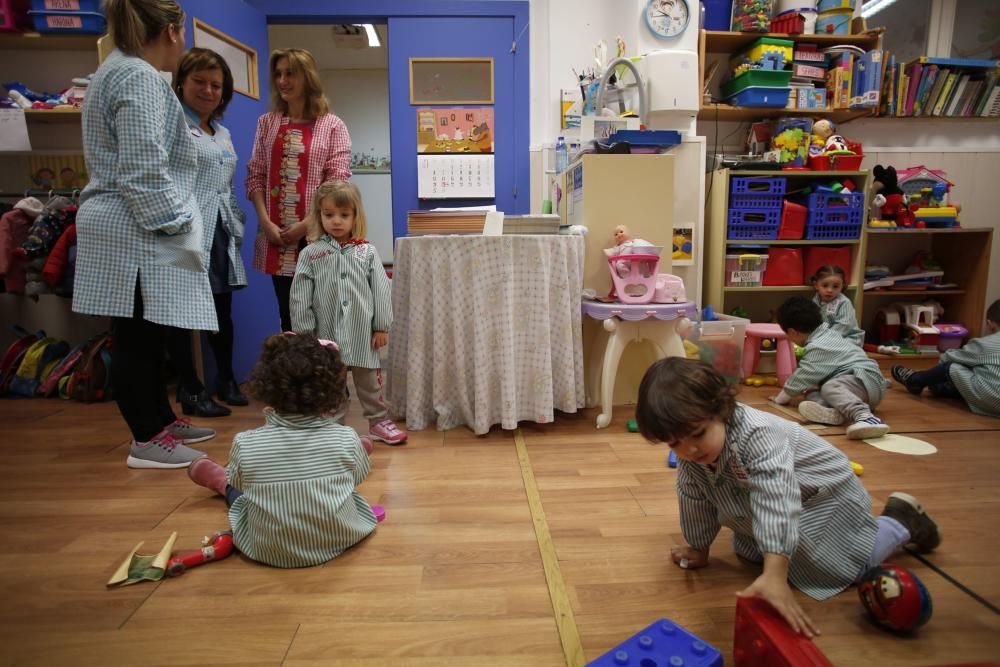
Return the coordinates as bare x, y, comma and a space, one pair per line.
716, 45
941, 88
760, 302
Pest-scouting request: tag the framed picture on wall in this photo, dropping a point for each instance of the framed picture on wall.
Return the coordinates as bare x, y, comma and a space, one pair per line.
451, 80
683, 246
455, 130
242, 59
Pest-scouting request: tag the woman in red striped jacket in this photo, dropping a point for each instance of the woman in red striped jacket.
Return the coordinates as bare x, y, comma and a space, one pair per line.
299, 145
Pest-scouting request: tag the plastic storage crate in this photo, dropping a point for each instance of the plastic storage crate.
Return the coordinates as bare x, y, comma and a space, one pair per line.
753, 223
756, 185
745, 269
66, 6
760, 97
755, 201
719, 343
68, 22
767, 78
835, 215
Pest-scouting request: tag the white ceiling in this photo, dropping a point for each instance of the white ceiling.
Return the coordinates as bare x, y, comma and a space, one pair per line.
318, 39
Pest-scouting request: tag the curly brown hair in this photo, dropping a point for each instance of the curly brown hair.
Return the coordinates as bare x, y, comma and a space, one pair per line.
299, 375
678, 394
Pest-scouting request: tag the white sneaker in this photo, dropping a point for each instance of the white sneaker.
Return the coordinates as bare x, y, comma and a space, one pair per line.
869, 427
819, 413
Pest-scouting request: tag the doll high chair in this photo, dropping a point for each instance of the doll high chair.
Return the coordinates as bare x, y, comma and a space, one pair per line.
639, 284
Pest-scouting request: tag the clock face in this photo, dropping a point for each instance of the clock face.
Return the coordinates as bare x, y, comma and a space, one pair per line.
667, 18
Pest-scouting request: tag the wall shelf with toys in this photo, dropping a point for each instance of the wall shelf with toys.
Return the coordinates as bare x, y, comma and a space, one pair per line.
716, 48
35, 41
767, 231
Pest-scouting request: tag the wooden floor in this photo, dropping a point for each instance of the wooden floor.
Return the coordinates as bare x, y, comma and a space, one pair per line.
455, 575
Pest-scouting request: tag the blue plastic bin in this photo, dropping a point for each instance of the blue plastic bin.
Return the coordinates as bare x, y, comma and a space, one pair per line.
760, 96
68, 22
835, 216
753, 223
66, 6
755, 201
756, 185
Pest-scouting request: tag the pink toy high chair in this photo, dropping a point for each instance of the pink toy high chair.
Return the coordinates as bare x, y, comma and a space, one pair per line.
642, 273
751, 350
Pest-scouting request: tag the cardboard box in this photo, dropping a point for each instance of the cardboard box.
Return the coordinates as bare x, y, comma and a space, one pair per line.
811, 98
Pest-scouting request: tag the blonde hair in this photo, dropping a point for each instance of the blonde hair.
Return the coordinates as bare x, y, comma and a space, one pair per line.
301, 62
133, 24
343, 193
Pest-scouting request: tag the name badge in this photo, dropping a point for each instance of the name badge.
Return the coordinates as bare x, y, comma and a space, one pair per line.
195, 131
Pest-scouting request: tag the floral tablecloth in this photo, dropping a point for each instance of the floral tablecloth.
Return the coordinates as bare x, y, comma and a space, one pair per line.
486, 330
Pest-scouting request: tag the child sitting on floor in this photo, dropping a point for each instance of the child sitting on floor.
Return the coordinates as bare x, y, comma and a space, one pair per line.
790, 497
836, 309
840, 378
971, 373
290, 484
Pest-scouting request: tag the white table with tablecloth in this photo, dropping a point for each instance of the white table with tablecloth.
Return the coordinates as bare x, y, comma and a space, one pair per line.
487, 330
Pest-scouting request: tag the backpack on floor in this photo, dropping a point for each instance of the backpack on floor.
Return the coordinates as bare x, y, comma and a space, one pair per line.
90, 381
38, 361
62, 369
15, 353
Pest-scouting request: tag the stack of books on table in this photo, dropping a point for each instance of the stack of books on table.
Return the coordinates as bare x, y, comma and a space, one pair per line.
531, 224
420, 223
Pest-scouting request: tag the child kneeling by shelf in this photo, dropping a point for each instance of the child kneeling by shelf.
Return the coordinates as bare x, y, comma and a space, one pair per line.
971, 373
840, 378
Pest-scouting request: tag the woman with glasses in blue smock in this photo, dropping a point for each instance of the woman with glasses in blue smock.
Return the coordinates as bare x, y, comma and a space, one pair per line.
204, 85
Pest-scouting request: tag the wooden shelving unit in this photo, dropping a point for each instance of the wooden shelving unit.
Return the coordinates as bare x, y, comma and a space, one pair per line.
760, 302
713, 44
964, 255
35, 41
52, 115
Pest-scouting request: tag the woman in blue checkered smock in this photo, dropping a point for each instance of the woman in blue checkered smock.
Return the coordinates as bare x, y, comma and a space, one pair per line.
204, 85
140, 256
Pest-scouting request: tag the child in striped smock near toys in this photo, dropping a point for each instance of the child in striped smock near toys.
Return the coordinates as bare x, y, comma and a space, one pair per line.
837, 310
971, 373
791, 498
838, 378
341, 292
291, 484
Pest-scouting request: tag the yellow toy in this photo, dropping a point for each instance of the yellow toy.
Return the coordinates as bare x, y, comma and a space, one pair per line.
761, 380
858, 469
691, 350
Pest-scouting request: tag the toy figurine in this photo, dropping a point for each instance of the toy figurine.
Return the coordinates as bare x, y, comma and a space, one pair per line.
890, 197
832, 141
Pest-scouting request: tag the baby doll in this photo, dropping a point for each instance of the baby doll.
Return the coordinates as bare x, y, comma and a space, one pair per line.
624, 245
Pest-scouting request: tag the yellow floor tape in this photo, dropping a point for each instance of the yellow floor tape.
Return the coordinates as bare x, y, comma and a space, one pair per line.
569, 635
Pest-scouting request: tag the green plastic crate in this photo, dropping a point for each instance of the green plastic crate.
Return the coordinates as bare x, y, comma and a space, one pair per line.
757, 77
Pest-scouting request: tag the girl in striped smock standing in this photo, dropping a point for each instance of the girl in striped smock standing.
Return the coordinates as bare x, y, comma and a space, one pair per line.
341, 292
291, 484
790, 497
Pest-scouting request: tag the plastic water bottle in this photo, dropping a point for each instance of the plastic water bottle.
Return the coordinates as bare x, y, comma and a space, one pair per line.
561, 156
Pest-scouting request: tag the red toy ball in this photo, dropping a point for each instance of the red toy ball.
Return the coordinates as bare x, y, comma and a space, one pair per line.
894, 598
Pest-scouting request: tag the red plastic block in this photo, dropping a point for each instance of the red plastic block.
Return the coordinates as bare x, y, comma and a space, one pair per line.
762, 638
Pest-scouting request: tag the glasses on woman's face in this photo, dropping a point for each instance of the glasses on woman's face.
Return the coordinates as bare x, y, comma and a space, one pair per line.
325, 342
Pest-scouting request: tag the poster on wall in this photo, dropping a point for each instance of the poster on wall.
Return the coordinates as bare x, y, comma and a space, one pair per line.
683, 246
455, 176
449, 130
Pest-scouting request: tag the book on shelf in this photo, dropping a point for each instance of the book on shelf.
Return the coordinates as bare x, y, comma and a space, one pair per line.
942, 87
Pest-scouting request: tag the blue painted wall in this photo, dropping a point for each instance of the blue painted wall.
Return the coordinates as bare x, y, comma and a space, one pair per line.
255, 310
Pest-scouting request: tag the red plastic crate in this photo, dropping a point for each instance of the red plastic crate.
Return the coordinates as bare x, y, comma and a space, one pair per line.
14, 15
762, 638
793, 221
790, 23
784, 267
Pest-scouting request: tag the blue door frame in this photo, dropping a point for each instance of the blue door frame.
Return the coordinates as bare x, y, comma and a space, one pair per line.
255, 308
408, 37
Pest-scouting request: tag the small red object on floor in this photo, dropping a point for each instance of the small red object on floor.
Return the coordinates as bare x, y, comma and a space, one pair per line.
762, 638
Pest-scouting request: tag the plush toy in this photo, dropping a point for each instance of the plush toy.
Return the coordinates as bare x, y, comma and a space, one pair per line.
889, 196
825, 131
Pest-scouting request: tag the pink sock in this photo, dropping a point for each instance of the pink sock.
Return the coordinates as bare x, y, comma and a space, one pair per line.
206, 472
